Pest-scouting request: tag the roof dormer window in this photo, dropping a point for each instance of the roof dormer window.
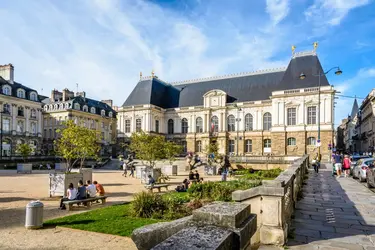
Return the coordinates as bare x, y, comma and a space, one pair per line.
33, 96
110, 114
7, 90
77, 106
103, 112
21, 93
93, 111
85, 108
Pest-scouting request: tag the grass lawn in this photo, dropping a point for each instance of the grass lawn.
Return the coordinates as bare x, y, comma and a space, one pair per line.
110, 220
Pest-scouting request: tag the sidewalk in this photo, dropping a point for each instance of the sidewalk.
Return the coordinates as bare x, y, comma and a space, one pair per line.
335, 213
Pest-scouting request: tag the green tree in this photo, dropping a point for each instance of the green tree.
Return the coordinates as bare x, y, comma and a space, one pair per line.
171, 149
212, 149
24, 150
76, 144
149, 148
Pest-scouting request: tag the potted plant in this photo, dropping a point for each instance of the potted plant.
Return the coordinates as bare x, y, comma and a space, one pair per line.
75, 145
25, 151
171, 149
212, 154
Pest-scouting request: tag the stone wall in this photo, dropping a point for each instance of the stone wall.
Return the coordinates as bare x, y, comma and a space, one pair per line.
274, 203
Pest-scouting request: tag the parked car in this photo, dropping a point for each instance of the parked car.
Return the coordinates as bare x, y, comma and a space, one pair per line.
354, 159
370, 175
359, 171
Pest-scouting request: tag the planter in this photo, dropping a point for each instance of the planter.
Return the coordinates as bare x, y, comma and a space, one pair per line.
154, 172
138, 171
169, 169
24, 168
59, 181
210, 170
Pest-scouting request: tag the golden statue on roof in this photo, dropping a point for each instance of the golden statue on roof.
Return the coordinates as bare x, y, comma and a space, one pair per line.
293, 49
153, 73
315, 45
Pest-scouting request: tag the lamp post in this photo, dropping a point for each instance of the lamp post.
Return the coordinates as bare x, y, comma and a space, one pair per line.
238, 119
319, 75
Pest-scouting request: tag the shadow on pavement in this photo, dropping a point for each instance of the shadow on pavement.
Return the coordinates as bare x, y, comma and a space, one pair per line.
336, 212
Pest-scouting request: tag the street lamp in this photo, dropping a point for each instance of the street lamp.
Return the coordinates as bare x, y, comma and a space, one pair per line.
320, 74
238, 119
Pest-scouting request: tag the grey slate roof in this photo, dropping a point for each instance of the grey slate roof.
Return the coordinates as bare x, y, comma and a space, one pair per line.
251, 87
15, 86
355, 109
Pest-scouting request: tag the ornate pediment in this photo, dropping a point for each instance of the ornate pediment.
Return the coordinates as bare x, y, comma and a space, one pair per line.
215, 98
311, 103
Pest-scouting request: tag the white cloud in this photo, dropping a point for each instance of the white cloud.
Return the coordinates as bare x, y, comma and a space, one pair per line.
277, 9
331, 12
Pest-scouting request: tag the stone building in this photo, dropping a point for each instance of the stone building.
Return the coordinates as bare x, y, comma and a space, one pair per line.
351, 136
21, 116
65, 105
340, 144
264, 112
366, 123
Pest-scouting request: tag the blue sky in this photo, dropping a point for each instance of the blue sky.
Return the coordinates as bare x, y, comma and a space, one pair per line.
104, 44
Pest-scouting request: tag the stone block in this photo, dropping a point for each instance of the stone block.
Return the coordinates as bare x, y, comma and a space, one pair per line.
273, 235
241, 195
207, 237
148, 236
224, 214
244, 233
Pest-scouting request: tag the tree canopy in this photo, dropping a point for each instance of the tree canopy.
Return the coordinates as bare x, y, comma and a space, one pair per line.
24, 150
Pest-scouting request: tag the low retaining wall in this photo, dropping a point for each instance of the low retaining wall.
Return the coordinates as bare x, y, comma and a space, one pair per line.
219, 225
274, 203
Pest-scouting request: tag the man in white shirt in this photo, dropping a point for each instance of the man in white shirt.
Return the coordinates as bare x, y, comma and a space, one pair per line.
91, 189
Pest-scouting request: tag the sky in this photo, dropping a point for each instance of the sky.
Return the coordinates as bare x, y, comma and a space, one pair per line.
103, 45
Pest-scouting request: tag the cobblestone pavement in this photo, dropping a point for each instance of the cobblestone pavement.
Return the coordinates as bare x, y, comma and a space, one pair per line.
334, 213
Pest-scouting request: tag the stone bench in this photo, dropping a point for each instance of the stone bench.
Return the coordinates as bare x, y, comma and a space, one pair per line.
156, 186
86, 202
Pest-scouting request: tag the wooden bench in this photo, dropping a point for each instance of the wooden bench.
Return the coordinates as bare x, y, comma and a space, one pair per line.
86, 202
156, 186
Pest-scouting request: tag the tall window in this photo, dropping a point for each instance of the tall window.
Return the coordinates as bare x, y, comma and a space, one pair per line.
311, 141
20, 126
33, 113
127, 126
291, 115
92, 110
267, 121
292, 141
33, 128
198, 147
102, 112
184, 146
6, 125
20, 111
157, 126
50, 134
6, 108
199, 125
267, 143
33, 97
248, 146
6, 90
231, 123
138, 125
45, 133
231, 146
214, 124
184, 126
248, 122
170, 126
311, 115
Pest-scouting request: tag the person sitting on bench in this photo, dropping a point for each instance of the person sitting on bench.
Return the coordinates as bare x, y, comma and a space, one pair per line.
99, 189
151, 180
82, 192
91, 189
71, 195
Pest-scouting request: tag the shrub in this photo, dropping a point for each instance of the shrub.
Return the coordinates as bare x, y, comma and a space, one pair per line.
146, 204
220, 191
260, 174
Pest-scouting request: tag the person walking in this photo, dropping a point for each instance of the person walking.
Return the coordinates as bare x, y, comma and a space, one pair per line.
131, 171
316, 162
346, 165
125, 170
337, 160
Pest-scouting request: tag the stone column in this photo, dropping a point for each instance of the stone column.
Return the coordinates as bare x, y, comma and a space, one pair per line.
27, 116
14, 117
222, 122
205, 124
302, 112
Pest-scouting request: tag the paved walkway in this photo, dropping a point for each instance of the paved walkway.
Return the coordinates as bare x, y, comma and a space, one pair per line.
334, 214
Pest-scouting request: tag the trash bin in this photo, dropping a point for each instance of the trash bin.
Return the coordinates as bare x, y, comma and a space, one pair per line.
34, 215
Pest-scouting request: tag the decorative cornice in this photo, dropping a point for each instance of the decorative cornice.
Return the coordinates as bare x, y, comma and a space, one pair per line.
258, 72
304, 53
14, 105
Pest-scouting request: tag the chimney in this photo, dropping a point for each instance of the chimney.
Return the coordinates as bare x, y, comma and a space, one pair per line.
53, 95
7, 72
83, 94
108, 102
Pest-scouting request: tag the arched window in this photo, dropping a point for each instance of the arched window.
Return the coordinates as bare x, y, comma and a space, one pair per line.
110, 114
20, 111
67, 105
20, 127
311, 141
61, 106
231, 123
33, 96
21, 93
214, 124
248, 122
199, 125
55, 107
184, 126
85, 108
138, 125
267, 121
267, 143
6, 108
157, 126
248, 146
170, 126
102, 112
92, 110
45, 108
292, 141
198, 147
7, 90
77, 106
